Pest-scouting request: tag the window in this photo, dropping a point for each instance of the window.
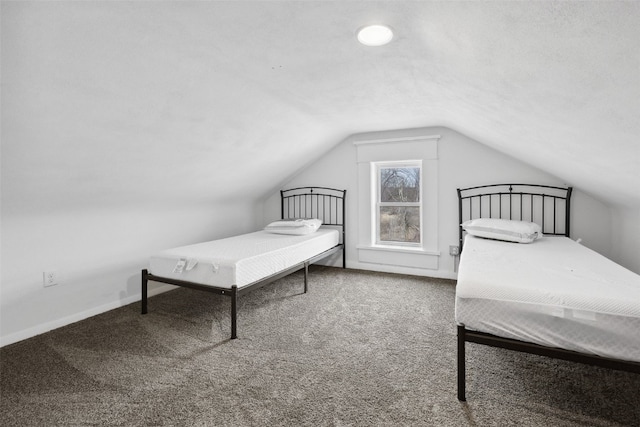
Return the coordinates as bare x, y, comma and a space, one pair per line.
398, 207
397, 201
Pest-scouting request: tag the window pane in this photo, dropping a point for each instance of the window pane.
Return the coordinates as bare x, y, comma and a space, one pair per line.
400, 224
400, 184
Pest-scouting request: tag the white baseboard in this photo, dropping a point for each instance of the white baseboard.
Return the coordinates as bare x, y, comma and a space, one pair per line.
58, 323
402, 270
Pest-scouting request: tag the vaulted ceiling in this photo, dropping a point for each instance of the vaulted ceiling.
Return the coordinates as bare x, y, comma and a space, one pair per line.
180, 100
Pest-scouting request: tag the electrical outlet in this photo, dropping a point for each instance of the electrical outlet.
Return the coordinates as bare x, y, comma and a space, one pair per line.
454, 250
50, 278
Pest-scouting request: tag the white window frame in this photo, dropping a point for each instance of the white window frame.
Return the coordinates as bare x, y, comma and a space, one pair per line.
377, 168
386, 147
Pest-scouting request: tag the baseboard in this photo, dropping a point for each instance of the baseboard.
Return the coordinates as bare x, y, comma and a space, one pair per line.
402, 270
58, 323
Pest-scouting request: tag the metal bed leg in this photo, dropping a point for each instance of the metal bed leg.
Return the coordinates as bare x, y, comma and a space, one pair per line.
143, 301
306, 274
344, 255
234, 311
461, 365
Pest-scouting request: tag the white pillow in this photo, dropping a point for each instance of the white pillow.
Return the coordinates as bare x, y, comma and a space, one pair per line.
294, 226
503, 229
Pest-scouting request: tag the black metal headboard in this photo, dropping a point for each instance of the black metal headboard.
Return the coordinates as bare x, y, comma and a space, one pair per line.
546, 205
327, 204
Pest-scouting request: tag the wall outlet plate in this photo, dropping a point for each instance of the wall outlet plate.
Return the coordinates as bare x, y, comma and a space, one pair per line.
454, 250
50, 278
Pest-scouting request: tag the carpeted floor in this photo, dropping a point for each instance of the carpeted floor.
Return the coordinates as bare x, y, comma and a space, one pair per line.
359, 349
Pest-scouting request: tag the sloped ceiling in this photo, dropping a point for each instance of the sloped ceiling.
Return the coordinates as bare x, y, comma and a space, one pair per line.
175, 102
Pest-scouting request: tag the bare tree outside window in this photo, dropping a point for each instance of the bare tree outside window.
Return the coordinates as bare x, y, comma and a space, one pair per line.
399, 204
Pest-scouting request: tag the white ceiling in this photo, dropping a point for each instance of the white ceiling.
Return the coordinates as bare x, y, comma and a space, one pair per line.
117, 101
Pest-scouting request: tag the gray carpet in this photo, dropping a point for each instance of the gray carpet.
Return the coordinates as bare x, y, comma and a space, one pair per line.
359, 349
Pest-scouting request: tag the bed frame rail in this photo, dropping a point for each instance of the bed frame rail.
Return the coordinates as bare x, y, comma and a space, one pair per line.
466, 335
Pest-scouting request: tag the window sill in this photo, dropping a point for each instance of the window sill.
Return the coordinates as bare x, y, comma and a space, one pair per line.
400, 249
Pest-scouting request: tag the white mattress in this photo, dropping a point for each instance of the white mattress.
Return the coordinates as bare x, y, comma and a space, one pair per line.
553, 292
240, 260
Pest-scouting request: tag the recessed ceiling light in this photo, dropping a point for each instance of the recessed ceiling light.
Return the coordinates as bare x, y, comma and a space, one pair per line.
375, 35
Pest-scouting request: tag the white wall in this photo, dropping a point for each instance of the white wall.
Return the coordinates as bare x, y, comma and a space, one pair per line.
112, 148
99, 249
626, 237
98, 253
462, 162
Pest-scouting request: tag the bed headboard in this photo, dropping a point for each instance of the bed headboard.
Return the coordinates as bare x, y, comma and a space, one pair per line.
546, 205
327, 204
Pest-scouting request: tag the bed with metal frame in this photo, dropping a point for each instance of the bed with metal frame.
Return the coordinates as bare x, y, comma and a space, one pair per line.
548, 206
327, 204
